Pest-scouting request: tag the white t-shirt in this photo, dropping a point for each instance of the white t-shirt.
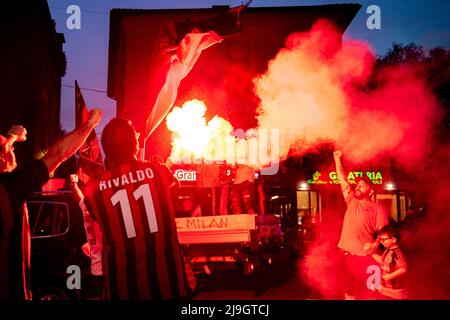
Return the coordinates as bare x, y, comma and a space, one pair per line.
93, 248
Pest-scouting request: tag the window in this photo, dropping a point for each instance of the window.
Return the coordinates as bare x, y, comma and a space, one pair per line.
48, 219
308, 206
389, 203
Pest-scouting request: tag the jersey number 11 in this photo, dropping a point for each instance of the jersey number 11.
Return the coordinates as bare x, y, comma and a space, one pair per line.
121, 197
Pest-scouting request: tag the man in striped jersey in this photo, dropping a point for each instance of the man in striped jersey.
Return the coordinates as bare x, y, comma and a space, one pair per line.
133, 202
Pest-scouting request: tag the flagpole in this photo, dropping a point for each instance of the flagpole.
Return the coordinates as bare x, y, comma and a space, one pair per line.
89, 156
141, 155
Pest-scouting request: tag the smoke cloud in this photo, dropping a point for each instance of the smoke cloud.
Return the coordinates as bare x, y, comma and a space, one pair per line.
318, 89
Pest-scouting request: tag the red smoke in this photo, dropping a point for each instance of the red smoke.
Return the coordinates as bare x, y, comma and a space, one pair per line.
424, 236
317, 89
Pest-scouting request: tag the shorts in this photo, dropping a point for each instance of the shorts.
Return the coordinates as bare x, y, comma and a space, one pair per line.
355, 276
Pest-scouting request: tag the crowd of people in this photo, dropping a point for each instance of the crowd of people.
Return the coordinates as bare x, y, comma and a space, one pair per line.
222, 189
129, 217
130, 226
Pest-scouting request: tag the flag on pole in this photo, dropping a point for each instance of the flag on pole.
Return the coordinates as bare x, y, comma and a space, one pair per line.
172, 64
90, 160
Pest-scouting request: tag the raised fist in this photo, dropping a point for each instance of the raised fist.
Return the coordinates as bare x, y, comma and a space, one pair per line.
337, 153
95, 115
19, 133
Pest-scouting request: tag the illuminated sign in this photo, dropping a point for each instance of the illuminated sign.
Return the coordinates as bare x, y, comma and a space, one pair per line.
216, 229
374, 176
183, 175
208, 223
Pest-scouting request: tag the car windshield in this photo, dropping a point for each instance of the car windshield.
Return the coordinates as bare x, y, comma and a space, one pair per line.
47, 218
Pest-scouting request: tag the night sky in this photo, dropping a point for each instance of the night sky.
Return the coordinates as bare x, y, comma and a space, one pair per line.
426, 23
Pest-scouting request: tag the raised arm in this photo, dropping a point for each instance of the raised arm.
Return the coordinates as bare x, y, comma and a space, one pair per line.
341, 174
65, 147
75, 188
7, 157
17, 133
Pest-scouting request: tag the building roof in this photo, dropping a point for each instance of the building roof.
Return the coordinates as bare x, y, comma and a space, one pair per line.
341, 14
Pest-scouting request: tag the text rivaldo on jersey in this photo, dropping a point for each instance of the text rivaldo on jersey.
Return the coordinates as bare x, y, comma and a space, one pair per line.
127, 178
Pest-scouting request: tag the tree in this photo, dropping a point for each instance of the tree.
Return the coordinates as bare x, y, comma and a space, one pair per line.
435, 63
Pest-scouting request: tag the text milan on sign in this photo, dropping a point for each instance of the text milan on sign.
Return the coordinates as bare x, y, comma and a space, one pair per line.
216, 229
224, 222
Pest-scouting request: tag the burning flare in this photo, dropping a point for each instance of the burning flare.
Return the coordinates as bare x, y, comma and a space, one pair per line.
195, 139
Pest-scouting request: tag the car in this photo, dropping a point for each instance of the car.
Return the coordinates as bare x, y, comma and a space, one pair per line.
57, 237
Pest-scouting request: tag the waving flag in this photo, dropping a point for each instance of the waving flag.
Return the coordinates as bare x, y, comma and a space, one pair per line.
172, 64
90, 159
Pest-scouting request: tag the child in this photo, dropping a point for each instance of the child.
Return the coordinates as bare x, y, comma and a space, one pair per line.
393, 264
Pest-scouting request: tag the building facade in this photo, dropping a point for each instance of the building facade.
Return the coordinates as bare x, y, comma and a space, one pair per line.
32, 63
222, 77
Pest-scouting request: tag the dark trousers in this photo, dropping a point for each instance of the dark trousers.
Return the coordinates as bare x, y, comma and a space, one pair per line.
242, 198
209, 199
